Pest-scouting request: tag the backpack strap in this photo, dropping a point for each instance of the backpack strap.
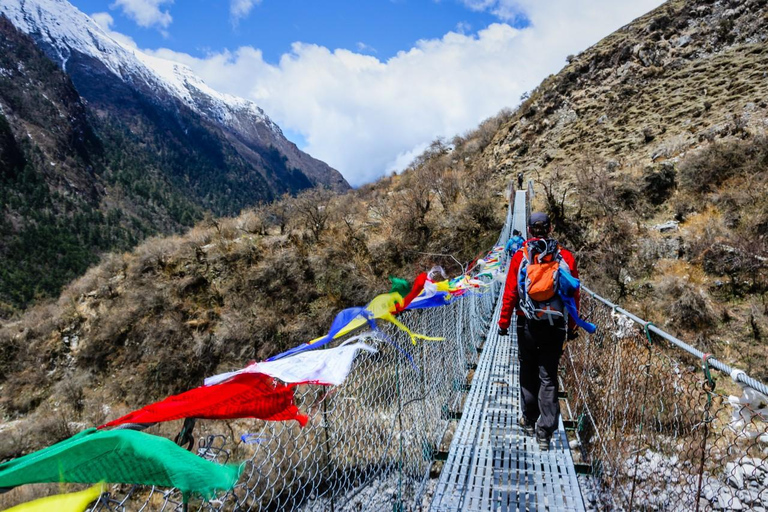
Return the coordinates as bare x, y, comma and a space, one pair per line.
523, 301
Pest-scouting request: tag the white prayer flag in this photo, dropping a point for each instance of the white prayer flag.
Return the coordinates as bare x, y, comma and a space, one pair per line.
327, 367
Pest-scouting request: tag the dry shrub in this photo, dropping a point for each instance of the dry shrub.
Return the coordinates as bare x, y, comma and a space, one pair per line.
229, 228
155, 253
109, 334
488, 129
682, 207
477, 221
709, 168
596, 188
606, 253
38, 322
701, 230
235, 334
14, 441
24, 390
200, 235
54, 424
95, 279
659, 184
388, 255
8, 351
253, 222
687, 306
745, 269
71, 389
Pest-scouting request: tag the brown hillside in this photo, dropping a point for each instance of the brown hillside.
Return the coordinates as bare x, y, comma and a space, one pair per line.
686, 73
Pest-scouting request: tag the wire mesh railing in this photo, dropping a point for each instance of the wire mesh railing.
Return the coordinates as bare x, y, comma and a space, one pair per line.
369, 443
661, 426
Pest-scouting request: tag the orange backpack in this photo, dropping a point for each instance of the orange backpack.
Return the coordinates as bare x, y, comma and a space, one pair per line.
538, 280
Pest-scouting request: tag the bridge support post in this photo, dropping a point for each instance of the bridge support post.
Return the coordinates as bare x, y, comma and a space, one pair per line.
709, 387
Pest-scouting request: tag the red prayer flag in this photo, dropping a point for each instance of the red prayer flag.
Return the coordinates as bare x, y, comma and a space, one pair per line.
418, 286
249, 395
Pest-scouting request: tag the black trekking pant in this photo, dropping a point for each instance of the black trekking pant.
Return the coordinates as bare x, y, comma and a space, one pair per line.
540, 346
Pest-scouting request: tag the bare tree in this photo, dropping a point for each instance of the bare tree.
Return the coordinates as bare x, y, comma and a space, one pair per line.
596, 189
279, 212
255, 221
417, 196
350, 213
312, 208
555, 193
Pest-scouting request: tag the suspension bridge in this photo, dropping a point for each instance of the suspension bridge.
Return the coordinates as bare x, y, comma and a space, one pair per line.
648, 423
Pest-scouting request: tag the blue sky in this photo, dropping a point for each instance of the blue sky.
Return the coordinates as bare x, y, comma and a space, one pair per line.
378, 27
366, 85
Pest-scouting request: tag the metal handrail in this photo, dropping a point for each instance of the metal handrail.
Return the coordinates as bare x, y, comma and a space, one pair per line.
738, 376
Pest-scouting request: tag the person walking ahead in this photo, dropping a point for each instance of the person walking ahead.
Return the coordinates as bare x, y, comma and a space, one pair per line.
543, 323
514, 243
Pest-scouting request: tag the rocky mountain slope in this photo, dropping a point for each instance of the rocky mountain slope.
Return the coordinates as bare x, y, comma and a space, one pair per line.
109, 145
676, 77
649, 149
52, 217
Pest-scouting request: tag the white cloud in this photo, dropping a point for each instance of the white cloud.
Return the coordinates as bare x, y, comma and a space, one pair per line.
105, 21
405, 158
367, 116
364, 48
145, 13
239, 9
463, 27
505, 10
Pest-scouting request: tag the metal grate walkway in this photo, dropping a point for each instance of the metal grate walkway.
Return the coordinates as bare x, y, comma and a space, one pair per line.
492, 464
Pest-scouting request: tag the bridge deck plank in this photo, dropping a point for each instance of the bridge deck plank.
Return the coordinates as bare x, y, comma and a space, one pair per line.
491, 464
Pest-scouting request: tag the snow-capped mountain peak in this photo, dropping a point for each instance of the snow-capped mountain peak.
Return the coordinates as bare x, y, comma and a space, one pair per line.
63, 29
120, 78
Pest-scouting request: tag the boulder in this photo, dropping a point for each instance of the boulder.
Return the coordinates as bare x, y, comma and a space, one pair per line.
666, 227
683, 41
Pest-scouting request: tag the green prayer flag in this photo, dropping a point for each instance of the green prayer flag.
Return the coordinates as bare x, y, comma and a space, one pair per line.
400, 286
120, 456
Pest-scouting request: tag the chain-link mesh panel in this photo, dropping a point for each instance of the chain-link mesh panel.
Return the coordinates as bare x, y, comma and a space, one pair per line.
658, 432
369, 443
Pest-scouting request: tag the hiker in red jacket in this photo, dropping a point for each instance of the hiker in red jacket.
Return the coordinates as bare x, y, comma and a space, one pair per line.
542, 324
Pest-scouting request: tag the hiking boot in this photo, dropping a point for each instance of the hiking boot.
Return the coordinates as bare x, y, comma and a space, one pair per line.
526, 426
543, 443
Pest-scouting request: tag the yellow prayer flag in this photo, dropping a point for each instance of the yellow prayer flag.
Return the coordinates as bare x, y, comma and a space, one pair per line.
72, 502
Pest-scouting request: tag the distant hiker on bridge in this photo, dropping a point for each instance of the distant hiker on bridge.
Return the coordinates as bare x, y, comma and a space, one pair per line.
543, 323
520, 180
514, 243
